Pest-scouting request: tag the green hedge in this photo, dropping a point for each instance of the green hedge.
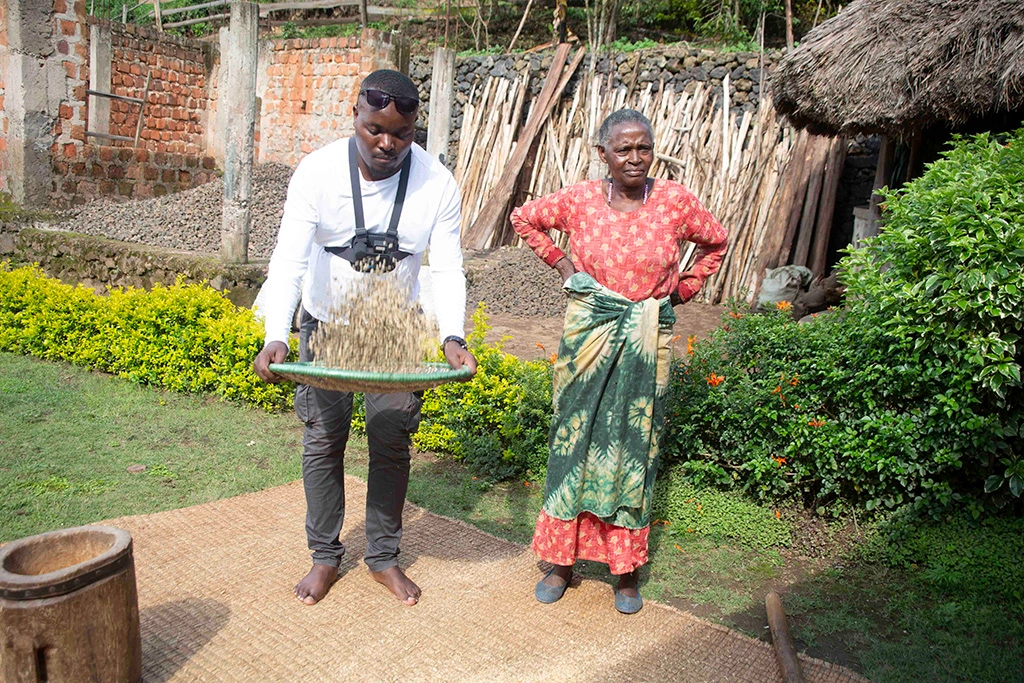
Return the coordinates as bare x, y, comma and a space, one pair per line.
191, 338
497, 423
183, 337
911, 395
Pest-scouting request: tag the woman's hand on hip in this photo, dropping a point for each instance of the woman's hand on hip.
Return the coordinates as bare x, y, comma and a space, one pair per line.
565, 268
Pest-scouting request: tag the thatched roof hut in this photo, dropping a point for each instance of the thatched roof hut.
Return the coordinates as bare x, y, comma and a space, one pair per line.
899, 66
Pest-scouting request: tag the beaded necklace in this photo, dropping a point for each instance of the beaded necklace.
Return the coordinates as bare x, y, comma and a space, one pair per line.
610, 192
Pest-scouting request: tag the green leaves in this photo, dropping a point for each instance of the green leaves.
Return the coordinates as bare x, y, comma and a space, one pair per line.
185, 337
851, 406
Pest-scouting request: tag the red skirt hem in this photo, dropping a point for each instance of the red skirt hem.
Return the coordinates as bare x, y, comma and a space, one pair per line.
563, 542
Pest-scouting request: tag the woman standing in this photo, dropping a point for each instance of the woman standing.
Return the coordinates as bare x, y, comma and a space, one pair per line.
612, 371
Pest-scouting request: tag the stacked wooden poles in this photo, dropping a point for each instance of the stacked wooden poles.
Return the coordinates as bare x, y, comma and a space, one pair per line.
772, 188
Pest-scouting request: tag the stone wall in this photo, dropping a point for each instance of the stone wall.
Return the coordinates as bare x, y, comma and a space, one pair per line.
102, 264
676, 67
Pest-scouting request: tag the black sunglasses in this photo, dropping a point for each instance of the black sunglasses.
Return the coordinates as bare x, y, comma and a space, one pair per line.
378, 99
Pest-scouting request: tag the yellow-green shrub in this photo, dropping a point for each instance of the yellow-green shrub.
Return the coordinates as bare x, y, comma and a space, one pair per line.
184, 337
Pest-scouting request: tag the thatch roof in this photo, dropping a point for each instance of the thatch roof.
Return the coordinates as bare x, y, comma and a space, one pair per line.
895, 66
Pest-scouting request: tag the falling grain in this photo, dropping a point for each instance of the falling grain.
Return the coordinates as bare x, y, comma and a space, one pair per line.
378, 329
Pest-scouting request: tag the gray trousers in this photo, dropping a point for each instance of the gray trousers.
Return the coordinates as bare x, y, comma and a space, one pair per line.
391, 420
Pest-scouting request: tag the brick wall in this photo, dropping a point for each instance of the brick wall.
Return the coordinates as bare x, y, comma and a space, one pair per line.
310, 90
309, 86
307, 90
71, 39
171, 153
176, 109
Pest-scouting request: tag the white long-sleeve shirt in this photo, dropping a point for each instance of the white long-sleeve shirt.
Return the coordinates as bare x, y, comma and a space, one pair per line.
318, 213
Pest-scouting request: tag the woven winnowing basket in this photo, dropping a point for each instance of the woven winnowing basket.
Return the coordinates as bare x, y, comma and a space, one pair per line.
337, 379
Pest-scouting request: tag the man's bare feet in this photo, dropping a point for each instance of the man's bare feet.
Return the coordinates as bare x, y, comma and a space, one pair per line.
316, 583
399, 584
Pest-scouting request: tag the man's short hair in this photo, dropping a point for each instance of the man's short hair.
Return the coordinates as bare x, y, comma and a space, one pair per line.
394, 83
617, 118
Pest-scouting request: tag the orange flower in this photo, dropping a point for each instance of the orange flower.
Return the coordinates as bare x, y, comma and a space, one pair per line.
780, 461
541, 346
553, 358
526, 484
735, 315
783, 305
714, 380
679, 547
778, 515
689, 344
816, 423
794, 380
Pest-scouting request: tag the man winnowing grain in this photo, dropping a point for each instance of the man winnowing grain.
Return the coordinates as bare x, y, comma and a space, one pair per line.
332, 231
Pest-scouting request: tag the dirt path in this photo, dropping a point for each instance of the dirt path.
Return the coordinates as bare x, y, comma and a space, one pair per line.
525, 302
527, 332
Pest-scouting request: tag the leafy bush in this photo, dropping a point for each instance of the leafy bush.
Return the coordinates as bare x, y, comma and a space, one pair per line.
950, 295
184, 337
913, 394
497, 423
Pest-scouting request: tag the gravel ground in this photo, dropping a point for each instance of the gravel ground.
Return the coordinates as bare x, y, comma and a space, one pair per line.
189, 220
515, 281
510, 280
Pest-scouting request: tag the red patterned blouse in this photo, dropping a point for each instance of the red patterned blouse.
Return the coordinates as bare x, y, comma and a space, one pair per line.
634, 253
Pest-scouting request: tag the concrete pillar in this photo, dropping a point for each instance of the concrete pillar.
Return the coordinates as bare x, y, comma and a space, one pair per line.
239, 99
99, 78
35, 86
442, 84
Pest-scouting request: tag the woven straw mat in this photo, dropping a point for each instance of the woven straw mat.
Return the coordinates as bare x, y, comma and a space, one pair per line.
215, 597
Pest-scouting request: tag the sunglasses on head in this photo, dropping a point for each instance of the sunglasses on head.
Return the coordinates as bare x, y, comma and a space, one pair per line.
378, 99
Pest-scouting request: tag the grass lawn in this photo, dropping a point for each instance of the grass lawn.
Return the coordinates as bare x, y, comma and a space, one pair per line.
67, 437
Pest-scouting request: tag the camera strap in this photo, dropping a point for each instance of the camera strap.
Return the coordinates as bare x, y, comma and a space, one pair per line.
361, 234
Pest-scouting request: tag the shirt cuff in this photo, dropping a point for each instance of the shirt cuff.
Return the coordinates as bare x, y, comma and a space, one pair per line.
554, 256
688, 288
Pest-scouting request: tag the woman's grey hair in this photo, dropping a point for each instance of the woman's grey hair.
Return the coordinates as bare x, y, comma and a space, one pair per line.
617, 118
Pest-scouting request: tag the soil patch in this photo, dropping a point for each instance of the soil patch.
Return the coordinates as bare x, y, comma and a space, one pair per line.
526, 304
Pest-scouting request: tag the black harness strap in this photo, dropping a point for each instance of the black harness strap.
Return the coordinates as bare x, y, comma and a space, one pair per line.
361, 234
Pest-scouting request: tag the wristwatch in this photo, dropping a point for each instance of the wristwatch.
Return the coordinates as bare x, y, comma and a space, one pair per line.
455, 338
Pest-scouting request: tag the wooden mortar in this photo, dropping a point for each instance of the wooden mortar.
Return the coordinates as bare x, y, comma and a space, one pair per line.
69, 609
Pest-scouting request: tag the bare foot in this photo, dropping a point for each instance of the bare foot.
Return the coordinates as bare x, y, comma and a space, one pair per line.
559, 576
627, 584
316, 583
399, 584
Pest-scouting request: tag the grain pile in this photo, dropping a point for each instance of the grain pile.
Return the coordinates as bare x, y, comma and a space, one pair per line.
377, 329
189, 220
